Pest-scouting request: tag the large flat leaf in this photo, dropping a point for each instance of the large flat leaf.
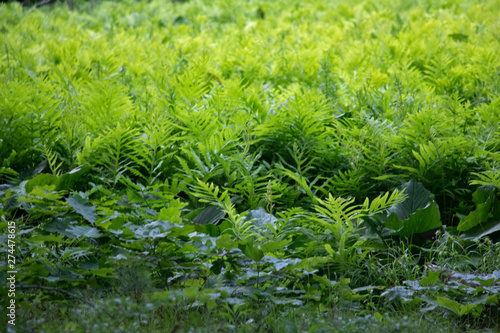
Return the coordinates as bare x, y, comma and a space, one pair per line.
251, 251
421, 221
41, 180
155, 229
83, 207
418, 197
210, 215
482, 230
83, 231
61, 226
57, 183
484, 198
418, 213
69, 179
260, 217
454, 306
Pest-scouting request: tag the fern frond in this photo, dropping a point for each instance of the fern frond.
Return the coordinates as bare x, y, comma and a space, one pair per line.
209, 193
383, 202
488, 178
52, 160
117, 148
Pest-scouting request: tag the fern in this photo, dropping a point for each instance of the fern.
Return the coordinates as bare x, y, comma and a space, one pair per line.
158, 145
115, 150
487, 178
211, 194
52, 161
106, 104
341, 218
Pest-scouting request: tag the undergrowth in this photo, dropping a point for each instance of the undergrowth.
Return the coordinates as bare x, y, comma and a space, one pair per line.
251, 165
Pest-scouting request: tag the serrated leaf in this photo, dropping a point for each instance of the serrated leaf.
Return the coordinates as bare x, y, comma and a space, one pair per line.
83, 207
59, 225
431, 278
454, 306
83, 231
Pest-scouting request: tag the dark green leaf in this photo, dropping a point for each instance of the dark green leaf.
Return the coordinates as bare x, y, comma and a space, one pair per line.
482, 230
417, 214
418, 198
210, 215
459, 37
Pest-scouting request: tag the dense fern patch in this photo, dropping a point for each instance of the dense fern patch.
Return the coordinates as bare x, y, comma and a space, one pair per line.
248, 159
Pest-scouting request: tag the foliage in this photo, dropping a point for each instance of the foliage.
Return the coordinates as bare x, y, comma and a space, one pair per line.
258, 166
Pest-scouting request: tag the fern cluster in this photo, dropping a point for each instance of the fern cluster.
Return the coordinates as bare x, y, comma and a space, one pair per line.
350, 103
284, 141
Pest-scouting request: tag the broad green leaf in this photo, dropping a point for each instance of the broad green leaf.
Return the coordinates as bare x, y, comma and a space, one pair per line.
91, 263
155, 229
251, 251
210, 215
273, 245
492, 299
42, 180
418, 213
59, 225
260, 217
225, 242
192, 214
281, 263
68, 180
324, 280
418, 197
133, 196
431, 278
209, 229
483, 197
46, 192
394, 223
457, 308
83, 207
173, 212
78, 231
482, 230
421, 221
47, 238
74, 252
38, 270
